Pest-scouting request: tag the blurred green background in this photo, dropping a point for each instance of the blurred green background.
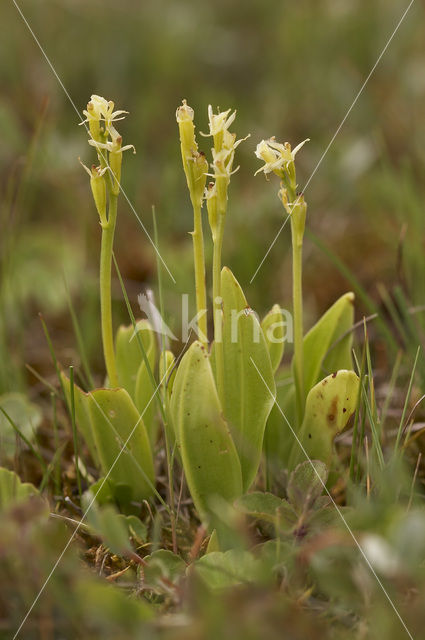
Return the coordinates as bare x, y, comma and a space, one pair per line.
290, 69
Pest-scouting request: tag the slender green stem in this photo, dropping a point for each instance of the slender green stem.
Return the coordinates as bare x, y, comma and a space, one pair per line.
297, 296
217, 308
200, 287
108, 232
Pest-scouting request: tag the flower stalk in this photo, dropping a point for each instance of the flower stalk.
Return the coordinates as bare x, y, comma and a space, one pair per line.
280, 159
105, 181
195, 167
223, 153
108, 232
297, 211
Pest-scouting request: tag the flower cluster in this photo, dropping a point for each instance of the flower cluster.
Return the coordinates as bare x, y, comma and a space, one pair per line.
279, 158
223, 154
100, 116
196, 166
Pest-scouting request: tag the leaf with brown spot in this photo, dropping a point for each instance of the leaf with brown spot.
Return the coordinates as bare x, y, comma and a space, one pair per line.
329, 406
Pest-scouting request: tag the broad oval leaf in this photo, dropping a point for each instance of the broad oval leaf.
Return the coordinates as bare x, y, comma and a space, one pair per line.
133, 374
211, 463
249, 385
328, 343
329, 406
327, 347
105, 419
122, 443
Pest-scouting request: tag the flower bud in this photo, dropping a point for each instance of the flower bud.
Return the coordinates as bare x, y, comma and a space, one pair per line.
195, 164
184, 117
98, 189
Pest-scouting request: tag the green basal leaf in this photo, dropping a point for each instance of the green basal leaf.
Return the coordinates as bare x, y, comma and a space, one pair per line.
329, 407
12, 490
132, 371
319, 356
115, 420
273, 326
328, 331
248, 395
128, 355
209, 456
105, 418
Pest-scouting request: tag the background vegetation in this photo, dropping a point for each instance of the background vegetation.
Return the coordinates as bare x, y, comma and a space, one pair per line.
291, 70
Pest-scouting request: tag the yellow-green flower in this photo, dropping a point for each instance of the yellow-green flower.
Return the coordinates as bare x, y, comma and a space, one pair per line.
277, 156
225, 142
220, 122
115, 149
99, 111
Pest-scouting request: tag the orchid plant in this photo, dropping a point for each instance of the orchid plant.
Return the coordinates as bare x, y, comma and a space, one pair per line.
220, 406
